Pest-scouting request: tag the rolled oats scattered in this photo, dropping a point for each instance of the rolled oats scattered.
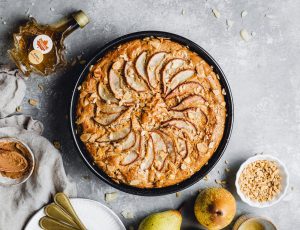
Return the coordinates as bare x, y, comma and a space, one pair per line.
260, 181
19, 109
57, 145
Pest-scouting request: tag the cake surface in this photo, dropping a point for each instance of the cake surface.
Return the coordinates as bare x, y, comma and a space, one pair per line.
151, 113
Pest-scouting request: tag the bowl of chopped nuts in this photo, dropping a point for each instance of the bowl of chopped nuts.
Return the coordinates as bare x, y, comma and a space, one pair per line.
262, 181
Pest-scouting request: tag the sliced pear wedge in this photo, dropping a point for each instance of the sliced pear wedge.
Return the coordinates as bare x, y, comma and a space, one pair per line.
160, 149
140, 65
109, 108
106, 119
128, 142
48, 223
182, 148
170, 68
149, 158
56, 212
142, 147
180, 77
130, 158
170, 144
182, 124
105, 94
152, 66
184, 88
132, 155
116, 84
193, 101
116, 135
133, 80
63, 201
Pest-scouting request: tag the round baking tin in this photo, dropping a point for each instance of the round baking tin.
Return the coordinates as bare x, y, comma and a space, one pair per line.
212, 161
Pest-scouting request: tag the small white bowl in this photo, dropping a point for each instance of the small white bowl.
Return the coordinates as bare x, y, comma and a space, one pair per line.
267, 223
6, 181
284, 181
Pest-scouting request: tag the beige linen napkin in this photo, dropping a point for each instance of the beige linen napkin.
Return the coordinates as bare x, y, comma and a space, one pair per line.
12, 91
19, 202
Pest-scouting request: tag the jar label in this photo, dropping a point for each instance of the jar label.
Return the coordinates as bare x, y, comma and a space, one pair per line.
43, 43
35, 57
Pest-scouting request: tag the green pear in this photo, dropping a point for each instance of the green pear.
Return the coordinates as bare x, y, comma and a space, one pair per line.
168, 220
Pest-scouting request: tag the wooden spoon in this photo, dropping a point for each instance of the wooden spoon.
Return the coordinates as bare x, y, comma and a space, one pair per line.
12, 162
63, 201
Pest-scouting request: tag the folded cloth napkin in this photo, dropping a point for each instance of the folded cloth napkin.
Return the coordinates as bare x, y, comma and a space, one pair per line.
19, 202
12, 91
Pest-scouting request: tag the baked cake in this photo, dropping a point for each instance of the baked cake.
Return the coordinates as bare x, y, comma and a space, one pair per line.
151, 113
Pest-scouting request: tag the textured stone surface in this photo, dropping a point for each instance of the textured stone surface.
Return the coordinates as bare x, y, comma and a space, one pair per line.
263, 74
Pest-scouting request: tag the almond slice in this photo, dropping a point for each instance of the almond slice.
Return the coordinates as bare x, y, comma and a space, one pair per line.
185, 88
180, 77
140, 65
193, 101
134, 81
154, 62
171, 67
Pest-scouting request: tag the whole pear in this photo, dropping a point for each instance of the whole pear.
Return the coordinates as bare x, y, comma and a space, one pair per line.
168, 220
215, 208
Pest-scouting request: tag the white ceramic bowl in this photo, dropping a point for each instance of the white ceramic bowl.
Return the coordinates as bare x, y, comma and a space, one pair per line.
6, 181
284, 181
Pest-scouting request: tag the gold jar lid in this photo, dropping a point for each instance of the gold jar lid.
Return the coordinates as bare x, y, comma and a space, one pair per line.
81, 18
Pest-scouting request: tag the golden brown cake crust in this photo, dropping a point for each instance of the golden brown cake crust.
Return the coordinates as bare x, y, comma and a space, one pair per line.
151, 113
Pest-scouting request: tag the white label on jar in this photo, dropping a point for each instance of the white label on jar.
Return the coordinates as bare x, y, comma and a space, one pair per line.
43, 43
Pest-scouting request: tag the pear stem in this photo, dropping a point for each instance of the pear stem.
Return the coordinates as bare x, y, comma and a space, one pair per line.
180, 208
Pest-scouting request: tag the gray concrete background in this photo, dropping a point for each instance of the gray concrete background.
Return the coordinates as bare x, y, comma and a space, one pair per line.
263, 74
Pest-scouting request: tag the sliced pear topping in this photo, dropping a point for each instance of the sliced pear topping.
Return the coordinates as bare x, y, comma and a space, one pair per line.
185, 88
193, 101
181, 146
152, 66
128, 142
180, 77
184, 125
130, 158
105, 93
142, 147
160, 150
169, 144
134, 81
116, 84
159, 144
116, 135
109, 108
106, 119
170, 68
149, 158
140, 65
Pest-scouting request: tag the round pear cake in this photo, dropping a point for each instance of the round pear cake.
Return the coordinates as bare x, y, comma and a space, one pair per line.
151, 113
